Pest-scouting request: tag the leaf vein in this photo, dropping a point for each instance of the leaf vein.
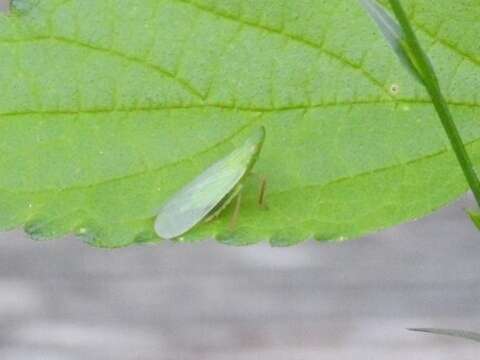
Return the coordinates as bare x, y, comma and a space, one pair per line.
227, 139
298, 39
447, 44
206, 106
158, 69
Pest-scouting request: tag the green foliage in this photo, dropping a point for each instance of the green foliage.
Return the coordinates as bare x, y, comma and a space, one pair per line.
108, 107
469, 335
404, 42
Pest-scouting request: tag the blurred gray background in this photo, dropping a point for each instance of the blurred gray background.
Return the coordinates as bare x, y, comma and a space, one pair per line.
62, 300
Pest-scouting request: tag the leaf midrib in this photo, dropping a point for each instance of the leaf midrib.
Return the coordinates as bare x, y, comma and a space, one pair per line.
299, 107
226, 140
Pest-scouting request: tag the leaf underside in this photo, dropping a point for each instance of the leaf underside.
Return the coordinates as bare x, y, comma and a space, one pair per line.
108, 107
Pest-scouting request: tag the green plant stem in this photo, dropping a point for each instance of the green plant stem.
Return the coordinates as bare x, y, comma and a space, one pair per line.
433, 87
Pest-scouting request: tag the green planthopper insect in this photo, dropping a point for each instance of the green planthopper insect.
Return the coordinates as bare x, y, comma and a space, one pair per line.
210, 192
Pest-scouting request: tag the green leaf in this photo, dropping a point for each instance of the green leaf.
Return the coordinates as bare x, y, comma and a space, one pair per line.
109, 107
475, 217
469, 335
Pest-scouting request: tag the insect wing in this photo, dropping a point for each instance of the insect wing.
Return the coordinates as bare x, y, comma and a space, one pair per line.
197, 199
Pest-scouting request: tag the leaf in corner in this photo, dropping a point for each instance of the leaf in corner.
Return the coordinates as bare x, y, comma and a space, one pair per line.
462, 334
107, 108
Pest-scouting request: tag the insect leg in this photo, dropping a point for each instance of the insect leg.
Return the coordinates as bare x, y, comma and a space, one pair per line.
262, 194
236, 212
223, 204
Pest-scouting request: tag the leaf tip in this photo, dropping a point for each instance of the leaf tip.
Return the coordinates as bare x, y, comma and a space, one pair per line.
475, 217
463, 334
